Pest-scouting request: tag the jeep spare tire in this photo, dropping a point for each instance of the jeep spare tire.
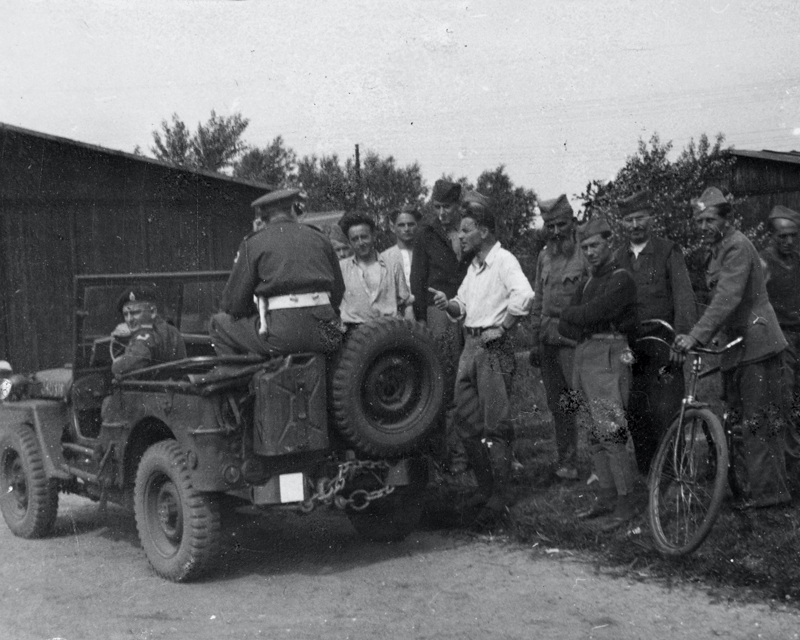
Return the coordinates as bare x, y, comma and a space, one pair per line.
388, 386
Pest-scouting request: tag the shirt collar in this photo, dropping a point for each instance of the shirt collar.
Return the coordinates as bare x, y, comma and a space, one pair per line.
489, 256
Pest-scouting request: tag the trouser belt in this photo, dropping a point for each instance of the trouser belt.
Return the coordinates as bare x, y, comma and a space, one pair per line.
477, 331
296, 300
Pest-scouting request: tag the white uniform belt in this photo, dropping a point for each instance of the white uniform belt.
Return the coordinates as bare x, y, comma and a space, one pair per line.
296, 300
607, 336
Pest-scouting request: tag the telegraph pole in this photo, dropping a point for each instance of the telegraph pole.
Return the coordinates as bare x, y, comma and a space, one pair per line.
359, 194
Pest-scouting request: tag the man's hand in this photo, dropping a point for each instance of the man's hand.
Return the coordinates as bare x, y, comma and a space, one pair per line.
440, 300
121, 331
492, 335
683, 343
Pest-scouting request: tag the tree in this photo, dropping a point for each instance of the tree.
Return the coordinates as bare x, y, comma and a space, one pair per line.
326, 183
275, 164
215, 146
515, 206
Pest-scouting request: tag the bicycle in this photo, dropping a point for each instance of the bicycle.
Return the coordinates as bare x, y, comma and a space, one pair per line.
695, 457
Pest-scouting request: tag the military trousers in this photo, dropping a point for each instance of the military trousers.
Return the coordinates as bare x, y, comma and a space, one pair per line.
556, 364
295, 330
657, 389
790, 374
749, 391
602, 381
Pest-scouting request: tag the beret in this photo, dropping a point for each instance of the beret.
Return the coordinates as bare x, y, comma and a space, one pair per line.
137, 294
711, 197
279, 198
446, 192
779, 211
592, 228
639, 201
556, 207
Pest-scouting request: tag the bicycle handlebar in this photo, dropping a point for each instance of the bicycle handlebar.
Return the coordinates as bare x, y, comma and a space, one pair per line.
694, 350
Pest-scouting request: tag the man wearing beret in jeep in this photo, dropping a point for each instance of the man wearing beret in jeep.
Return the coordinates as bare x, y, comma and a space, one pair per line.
150, 340
751, 371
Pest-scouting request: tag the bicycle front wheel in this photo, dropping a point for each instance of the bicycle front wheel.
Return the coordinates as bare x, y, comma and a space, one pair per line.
687, 482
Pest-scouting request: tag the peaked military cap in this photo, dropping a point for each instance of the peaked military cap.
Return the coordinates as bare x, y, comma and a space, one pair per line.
779, 211
5, 366
446, 192
711, 197
639, 201
137, 294
556, 208
592, 228
278, 199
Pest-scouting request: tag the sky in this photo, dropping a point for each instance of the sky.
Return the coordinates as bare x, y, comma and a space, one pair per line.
558, 91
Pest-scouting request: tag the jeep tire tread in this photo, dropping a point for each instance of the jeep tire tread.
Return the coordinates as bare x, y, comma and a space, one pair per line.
28, 498
388, 386
179, 527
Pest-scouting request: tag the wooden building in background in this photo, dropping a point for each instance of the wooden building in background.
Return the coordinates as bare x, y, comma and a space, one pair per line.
764, 179
70, 208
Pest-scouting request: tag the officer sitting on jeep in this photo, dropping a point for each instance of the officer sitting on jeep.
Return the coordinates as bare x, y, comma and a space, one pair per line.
150, 339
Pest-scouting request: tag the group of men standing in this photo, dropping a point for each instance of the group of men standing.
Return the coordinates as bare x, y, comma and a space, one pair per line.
588, 308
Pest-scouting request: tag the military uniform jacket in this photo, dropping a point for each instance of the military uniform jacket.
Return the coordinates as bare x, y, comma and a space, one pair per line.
434, 264
739, 303
605, 304
155, 344
557, 279
282, 258
663, 288
783, 288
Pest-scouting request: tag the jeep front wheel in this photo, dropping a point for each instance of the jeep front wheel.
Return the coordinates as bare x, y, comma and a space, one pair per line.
179, 527
28, 499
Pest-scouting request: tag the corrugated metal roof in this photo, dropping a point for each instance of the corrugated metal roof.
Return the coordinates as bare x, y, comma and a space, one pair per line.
792, 157
133, 156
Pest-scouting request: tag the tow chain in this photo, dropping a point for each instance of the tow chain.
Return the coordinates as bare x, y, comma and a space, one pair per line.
329, 490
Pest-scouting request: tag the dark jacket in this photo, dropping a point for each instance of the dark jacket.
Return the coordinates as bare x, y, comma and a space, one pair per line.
158, 343
739, 303
282, 258
663, 288
434, 264
783, 288
606, 303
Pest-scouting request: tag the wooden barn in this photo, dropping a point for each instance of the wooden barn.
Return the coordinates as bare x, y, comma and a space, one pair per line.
763, 179
70, 208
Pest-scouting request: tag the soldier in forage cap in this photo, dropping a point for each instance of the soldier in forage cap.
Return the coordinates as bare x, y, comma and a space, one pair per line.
751, 371
782, 264
602, 318
560, 268
149, 338
664, 292
292, 271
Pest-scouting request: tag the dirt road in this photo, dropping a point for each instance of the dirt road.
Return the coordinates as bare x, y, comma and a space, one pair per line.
291, 576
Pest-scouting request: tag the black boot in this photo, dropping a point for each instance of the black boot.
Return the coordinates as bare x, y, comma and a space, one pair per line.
496, 508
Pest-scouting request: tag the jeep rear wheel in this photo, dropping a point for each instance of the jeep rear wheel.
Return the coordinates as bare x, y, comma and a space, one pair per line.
179, 527
28, 499
388, 386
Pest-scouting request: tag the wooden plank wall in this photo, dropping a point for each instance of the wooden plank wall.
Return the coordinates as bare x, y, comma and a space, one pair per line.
67, 209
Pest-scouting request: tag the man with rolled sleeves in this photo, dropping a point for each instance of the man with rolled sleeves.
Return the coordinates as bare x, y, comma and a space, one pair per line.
663, 292
751, 371
560, 268
493, 296
438, 262
602, 318
293, 272
782, 274
149, 338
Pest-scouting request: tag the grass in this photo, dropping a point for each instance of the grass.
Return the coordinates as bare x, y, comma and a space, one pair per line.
752, 555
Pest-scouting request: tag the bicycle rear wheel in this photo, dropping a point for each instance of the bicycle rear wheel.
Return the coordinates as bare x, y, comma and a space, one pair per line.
687, 482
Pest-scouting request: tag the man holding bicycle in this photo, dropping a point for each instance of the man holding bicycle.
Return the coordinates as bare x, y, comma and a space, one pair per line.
740, 306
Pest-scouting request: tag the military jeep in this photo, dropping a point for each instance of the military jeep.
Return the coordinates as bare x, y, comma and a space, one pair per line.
178, 441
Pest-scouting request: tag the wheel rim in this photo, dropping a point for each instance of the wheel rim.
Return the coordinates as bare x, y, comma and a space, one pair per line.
15, 485
164, 514
391, 391
685, 491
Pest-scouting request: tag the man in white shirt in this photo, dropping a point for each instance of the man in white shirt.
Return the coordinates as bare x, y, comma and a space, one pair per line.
491, 299
404, 226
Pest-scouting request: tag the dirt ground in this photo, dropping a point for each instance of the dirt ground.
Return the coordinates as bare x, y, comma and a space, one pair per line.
294, 576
